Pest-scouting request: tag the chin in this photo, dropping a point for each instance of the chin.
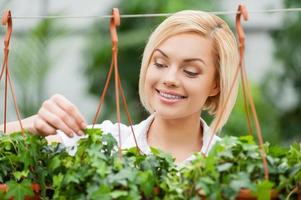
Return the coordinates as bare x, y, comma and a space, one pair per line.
165, 114
176, 113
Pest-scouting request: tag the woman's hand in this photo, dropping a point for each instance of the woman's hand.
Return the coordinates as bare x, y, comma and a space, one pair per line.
57, 113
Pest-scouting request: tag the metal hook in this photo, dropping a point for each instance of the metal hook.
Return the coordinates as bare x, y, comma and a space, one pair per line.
115, 21
7, 20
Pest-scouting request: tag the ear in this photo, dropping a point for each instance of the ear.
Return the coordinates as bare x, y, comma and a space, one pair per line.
214, 90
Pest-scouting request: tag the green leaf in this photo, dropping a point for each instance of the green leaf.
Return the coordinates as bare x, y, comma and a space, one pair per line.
147, 182
20, 174
57, 180
103, 192
248, 139
54, 163
19, 191
118, 193
224, 167
263, 190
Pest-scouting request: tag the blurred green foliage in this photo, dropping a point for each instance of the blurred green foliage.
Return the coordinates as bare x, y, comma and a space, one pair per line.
268, 118
30, 63
288, 51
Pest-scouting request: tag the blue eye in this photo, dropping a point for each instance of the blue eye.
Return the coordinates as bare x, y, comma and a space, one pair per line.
191, 74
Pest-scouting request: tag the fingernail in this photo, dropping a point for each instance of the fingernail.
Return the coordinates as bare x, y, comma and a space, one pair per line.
81, 132
83, 125
71, 135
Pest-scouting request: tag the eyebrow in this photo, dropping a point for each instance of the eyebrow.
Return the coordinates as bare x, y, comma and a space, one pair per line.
185, 60
161, 52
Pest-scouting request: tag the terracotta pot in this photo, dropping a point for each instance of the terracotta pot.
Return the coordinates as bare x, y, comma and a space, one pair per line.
246, 194
35, 187
299, 195
156, 190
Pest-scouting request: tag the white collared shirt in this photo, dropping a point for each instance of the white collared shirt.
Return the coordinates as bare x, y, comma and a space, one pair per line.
140, 130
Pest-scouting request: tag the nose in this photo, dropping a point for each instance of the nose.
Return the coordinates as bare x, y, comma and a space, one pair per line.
170, 78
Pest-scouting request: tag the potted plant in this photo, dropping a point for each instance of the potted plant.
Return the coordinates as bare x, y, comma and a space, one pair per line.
234, 170
97, 172
23, 166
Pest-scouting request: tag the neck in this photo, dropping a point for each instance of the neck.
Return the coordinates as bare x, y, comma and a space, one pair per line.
180, 137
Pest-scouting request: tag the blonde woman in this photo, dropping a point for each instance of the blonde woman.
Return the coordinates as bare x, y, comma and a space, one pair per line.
188, 66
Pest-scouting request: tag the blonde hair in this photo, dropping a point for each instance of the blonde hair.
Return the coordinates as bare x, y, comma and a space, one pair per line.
225, 52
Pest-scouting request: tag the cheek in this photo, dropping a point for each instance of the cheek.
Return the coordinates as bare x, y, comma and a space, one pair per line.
199, 90
151, 77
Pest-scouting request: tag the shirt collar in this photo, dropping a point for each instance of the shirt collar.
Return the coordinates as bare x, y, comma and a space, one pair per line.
143, 127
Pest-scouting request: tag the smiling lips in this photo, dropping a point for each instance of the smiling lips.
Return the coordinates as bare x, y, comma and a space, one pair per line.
170, 97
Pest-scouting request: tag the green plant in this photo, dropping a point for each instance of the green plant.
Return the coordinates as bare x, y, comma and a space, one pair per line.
235, 163
23, 161
97, 172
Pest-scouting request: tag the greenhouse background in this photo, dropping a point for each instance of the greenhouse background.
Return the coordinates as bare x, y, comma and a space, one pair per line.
72, 56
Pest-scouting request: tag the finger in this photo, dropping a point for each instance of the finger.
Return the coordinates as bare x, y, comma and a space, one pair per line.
54, 121
71, 109
42, 128
68, 119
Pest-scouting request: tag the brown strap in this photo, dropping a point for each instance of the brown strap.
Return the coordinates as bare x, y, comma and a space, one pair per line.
7, 20
101, 100
115, 21
128, 113
243, 11
246, 91
257, 126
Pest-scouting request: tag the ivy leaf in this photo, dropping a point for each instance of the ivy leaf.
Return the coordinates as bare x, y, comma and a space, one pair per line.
101, 167
19, 191
122, 177
103, 192
57, 180
147, 182
238, 181
54, 163
224, 167
118, 193
248, 139
263, 190
20, 174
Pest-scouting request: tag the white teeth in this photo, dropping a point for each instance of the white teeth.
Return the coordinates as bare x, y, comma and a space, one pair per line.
170, 96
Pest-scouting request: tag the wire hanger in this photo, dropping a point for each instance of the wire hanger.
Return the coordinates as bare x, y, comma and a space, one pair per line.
242, 11
114, 23
246, 88
7, 20
146, 15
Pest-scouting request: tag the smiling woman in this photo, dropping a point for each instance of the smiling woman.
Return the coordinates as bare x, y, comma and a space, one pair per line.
181, 79
187, 67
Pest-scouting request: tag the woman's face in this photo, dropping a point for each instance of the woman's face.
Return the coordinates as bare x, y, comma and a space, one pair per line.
181, 76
